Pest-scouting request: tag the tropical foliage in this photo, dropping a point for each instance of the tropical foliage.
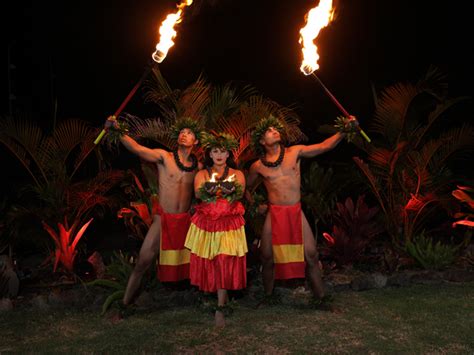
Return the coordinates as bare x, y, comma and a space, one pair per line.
354, 228
229, 108
430, 255
408, 163
463, 194
57, 196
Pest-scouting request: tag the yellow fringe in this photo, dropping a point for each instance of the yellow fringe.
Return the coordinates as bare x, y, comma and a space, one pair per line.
209, 244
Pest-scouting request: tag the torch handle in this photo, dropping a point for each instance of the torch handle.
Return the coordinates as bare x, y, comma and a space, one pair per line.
339, 106
127, 99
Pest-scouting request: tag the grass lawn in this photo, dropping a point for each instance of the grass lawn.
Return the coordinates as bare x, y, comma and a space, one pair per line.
417, 319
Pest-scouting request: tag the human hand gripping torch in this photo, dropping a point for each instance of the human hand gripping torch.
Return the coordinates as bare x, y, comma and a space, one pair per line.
167, 34
316, 19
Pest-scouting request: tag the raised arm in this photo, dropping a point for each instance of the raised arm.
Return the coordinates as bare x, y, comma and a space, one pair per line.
310, 151
147, 154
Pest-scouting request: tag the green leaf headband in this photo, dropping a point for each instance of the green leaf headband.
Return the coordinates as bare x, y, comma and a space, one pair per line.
218, 140
185, 122
262, 126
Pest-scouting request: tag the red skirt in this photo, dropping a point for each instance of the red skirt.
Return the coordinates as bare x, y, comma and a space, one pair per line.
216, 239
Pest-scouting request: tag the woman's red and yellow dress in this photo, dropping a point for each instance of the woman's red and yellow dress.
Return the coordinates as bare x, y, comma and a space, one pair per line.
218, 246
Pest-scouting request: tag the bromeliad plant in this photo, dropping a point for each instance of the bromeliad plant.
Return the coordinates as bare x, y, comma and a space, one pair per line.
354, 228
407, 169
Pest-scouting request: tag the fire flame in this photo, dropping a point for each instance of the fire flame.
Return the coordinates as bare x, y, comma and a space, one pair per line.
230, 178
168, 33
316, 19
213, 177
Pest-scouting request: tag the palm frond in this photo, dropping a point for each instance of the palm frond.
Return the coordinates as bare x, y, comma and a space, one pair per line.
194, 100
23, 138
455, 140
433, 116
391, 113
152, 129
226, 101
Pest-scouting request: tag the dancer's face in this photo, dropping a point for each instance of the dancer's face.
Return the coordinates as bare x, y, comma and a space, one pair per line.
187, 138
219, 156
271, 136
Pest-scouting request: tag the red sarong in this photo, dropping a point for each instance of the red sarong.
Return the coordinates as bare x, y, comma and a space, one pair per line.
174, 257
287, 241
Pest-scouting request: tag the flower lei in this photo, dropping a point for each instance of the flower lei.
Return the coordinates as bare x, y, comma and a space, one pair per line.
276, 162
181, 166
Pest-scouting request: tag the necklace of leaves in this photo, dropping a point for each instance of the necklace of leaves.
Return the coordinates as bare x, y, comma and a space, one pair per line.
224, 175
181, 166
276, 162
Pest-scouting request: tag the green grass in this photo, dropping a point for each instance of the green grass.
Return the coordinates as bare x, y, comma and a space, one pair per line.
422, 319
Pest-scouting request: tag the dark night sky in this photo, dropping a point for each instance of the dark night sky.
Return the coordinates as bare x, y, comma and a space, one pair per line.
90, 53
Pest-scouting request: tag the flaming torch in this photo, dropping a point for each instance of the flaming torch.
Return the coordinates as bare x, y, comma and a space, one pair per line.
317, 18
167, 34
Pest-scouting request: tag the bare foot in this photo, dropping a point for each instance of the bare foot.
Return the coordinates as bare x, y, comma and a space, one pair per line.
114, 316
220, 319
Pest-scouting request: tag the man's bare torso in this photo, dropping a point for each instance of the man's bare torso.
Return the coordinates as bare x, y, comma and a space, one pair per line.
175, 186
282, 182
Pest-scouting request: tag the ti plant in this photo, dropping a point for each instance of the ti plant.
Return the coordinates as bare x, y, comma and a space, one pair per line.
354, 228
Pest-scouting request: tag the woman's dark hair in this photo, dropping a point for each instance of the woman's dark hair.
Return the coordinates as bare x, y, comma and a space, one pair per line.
208, 162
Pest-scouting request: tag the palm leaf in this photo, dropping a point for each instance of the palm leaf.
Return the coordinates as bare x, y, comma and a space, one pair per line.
194, 100
391, 113
23, 138
152, 129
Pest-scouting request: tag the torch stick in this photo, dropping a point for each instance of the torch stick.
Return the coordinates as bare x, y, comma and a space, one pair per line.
127, 99
167, 33
339, 106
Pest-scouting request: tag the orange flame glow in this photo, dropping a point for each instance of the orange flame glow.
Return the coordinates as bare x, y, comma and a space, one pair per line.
230, 178
316, 19
168, 33
213, 177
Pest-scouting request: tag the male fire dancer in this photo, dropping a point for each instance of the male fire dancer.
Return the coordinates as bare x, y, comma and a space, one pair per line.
287, 247
167, 233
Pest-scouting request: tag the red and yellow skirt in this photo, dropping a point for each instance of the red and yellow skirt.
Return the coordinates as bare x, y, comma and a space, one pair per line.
173, 261
216, 239
287, 241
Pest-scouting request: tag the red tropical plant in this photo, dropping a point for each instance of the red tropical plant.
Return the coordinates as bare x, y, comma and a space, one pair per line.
462, 195
66, 241
354, 228
407, 169
52, 161
139, 216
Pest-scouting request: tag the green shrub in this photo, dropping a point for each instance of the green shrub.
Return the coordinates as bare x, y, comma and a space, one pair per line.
431, 256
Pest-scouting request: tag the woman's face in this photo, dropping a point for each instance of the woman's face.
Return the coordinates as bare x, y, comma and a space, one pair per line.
219, 156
